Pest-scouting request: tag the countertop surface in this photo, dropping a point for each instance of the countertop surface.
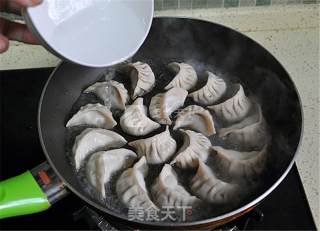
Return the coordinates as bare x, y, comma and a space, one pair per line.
290, 33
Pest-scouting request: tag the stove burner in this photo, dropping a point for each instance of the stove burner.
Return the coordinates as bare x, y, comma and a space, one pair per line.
96, 221
93, 219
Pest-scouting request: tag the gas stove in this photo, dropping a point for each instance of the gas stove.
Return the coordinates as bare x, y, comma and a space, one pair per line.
284, 209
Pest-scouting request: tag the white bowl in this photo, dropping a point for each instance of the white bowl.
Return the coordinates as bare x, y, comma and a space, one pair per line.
96, 33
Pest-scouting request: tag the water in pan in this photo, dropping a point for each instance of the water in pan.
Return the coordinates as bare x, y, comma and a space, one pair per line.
163, 77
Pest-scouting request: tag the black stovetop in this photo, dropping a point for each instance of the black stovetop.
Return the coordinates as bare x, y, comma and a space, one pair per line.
284, 209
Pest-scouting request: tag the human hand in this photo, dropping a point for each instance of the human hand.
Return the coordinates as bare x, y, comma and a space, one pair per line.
12, 30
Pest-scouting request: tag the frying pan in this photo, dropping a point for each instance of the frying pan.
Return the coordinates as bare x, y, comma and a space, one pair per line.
206, 45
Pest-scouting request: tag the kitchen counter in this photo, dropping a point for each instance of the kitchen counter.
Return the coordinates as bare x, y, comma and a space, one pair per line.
290, 33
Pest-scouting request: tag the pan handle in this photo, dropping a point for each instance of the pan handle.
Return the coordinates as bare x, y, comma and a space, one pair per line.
21, 195
31, 192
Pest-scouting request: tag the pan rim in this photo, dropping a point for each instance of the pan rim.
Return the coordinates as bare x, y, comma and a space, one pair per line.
231, 214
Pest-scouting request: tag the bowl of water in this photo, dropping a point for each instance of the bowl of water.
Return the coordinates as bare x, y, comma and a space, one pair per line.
95, 33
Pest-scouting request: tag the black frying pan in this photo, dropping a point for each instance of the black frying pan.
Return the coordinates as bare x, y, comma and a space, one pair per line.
211, 47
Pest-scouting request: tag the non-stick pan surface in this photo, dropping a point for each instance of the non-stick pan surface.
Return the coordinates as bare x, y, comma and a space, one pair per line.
207, 46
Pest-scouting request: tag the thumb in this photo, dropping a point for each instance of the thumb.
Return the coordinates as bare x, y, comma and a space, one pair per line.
17, 31
4, 43
27, 3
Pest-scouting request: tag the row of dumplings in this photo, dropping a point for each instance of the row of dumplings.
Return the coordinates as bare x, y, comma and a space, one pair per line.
244, 127
223, 182
231, 166
206, 185
134, 120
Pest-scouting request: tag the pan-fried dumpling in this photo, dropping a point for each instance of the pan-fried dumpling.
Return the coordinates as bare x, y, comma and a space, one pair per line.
119, 95
195, 118
208, 187
92, 140
249, 134
157, 149
100, 89
101, 165
234, 166
96, 115
135, 121
210, 93
186, 76
131, 187
233, 109
142, 78
163, 104
168, 192
195, 146
112, 93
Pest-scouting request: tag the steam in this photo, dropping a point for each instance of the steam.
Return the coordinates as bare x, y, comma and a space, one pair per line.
234, 58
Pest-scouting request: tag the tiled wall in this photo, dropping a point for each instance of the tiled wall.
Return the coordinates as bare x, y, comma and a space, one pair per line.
194, 4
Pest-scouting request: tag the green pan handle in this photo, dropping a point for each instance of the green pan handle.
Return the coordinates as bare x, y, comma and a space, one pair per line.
31, 192
21, 195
